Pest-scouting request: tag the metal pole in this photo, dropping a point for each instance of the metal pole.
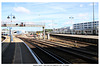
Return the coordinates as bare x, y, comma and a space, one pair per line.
93, 19
44, 32
10, 35
10, 28
11, 17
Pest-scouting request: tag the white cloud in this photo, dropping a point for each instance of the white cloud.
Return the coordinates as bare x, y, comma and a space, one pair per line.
21, 9
81, 5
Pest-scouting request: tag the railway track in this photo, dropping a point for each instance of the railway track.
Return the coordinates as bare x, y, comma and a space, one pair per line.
80, 40
70, 47
67, 40
90, 48
46, 56
76, 53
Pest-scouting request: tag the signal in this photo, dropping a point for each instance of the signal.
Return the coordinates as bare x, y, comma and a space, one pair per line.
16, 24
22, 25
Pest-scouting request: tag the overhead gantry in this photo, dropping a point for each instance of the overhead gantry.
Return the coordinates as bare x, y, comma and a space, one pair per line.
25, 25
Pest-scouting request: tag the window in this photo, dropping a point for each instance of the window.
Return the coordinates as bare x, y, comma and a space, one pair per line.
89, 27
94, 22
85, 23
85, 27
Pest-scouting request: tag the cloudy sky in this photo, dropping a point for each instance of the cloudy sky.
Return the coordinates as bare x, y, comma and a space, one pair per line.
53, 14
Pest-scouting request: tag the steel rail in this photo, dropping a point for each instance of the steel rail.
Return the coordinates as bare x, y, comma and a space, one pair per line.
52, 55
57, 44
85, 57
80, 42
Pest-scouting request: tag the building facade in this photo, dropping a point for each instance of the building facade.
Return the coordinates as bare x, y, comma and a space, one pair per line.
61, 30
86, 27
80, 28
5, 32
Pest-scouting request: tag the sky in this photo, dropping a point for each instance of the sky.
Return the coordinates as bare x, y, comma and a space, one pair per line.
52, 14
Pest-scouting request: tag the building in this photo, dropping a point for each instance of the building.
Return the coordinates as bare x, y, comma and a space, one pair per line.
79, 28
5, 32
61, 30
86, 27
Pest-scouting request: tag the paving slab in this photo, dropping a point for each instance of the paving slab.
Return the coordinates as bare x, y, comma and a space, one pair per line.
16, 52
14, 39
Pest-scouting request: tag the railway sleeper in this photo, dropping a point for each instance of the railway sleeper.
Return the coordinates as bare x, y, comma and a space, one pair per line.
79, 55
61, 60
72, 48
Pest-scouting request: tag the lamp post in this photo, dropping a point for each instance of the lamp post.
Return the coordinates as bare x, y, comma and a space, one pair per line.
44, 32
93, 20
10, 17
71, 22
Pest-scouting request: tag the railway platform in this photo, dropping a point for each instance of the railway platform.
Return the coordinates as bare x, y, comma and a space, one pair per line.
17, 52
83, 38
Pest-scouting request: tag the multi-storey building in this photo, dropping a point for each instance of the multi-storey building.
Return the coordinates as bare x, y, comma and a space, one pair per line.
80, 28
87, 27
